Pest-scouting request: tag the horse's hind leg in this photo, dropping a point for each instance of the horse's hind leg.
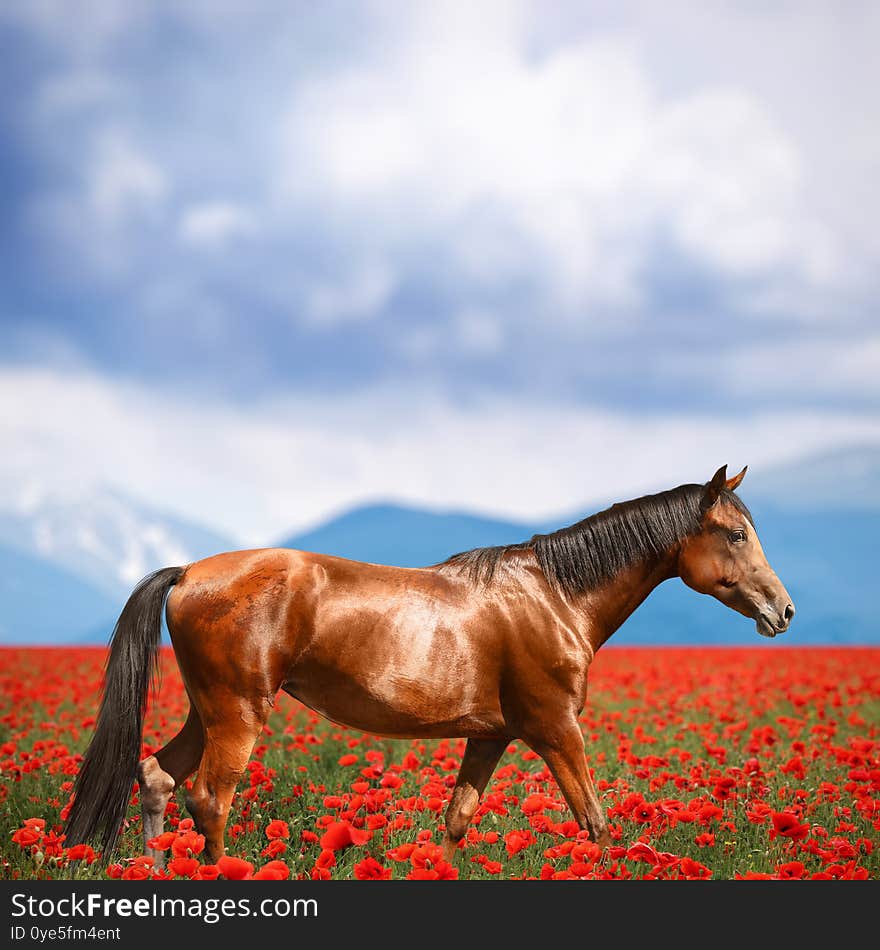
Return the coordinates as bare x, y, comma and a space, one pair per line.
480, 758
160, 774
231, 730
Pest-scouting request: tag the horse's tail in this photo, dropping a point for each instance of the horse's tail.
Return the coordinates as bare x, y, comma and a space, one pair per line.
109, 768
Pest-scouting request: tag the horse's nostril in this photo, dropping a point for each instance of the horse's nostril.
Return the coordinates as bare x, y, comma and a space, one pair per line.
789, 612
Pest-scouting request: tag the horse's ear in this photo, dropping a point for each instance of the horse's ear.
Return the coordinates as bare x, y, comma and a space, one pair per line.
713, 488
733, 483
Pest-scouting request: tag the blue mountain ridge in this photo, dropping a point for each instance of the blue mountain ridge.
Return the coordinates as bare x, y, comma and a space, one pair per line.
44, 604
818, 521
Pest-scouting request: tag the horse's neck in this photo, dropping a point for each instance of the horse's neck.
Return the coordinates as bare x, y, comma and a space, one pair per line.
610, 605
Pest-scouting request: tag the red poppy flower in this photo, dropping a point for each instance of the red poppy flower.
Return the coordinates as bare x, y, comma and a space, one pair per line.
787, 825
426, 855
277, 829
188, 843
341, 834
709, 812
163, 842
26, 837
273, 871
587, 851
402, 852
641, 851
81, 852
370, 870
516, 841
183, 867
442, 871
567, 829
533, 804
693, 869
273, 849
234, 869
348, 759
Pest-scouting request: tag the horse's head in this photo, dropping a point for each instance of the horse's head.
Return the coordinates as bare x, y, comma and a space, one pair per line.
725, 559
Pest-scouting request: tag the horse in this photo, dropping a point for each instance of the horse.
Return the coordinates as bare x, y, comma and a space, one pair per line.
492, 645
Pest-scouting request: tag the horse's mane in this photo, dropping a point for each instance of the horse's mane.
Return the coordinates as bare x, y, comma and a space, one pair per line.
584, 555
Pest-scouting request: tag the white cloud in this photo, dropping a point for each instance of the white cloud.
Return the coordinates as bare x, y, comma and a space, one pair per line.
481, 144
73, 90
260, 471
729, 184
122, 180
479, 331
82, 28
830, 368
575, 153
212, 224
355, 295
111, 219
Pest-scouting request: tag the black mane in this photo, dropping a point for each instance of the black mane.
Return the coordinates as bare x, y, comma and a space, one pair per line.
585, 555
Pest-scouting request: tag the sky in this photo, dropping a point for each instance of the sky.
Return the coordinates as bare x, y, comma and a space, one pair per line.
262, 261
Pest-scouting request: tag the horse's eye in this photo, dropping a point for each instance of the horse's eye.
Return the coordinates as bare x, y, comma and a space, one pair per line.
737, 536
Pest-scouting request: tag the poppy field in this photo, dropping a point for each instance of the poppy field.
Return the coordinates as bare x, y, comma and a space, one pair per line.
711, 763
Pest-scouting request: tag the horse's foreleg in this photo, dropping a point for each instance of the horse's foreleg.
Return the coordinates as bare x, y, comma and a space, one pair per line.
229, 741
160, 774
564, 755
480, 758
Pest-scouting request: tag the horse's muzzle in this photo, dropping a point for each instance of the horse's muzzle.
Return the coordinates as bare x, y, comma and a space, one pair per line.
768, 626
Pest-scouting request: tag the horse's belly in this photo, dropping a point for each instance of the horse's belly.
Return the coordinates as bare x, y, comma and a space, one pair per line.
399, 661
397, 704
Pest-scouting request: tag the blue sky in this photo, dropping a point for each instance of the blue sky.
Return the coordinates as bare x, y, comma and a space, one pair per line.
264, 260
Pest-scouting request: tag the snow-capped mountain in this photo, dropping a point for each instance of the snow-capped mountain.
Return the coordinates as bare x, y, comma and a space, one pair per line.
101, 536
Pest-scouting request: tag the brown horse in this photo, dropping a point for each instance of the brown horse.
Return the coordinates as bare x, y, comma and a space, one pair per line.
494, 644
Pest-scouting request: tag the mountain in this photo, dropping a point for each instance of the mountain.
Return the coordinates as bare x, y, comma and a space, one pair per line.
69, 561
104, 537
42, 603
405, 536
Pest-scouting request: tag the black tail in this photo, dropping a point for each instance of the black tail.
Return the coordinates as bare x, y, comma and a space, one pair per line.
109, 768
